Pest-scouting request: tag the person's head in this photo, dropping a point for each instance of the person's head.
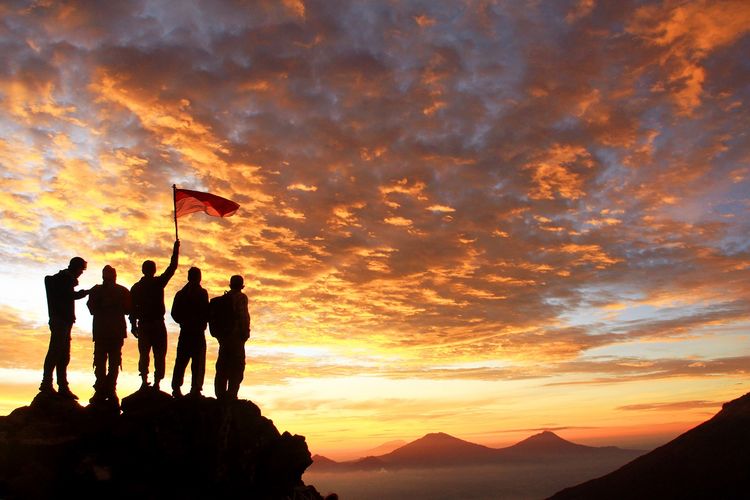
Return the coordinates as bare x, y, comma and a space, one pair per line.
148, 268
194, 275
109, 273
236, 282
76, 266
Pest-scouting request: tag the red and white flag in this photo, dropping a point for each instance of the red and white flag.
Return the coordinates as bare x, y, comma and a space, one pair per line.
187, 202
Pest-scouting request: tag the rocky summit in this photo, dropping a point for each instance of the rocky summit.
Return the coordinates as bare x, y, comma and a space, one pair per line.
156, 447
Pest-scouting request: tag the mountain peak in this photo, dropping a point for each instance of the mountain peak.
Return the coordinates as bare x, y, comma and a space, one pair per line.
546, 437
438, 436
437, 447
438, 440
546, 442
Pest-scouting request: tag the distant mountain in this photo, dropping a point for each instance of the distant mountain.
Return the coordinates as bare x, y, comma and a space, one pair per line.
548, 445
324, 463
711, 460
440, 449
384, 448
367, 463
546, 442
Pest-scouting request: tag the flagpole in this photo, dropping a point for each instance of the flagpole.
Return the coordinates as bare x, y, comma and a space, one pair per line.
174, 208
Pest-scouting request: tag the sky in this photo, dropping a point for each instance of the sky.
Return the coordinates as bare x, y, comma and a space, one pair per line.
485, 218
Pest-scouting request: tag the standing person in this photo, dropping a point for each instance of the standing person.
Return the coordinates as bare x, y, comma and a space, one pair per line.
61, 298
231, 326
190, 310
147, 317
109, 303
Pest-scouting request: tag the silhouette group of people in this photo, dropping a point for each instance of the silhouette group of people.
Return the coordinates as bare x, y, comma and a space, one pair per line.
110, 303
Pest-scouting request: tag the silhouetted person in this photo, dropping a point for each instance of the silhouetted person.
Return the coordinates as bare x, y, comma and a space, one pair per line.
232, 335
61, 298
147, 316
190, 310
109, 303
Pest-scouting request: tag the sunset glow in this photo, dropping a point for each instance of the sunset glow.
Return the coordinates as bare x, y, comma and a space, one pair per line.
483, 218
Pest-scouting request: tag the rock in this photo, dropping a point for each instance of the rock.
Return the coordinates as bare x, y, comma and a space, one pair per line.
159, 447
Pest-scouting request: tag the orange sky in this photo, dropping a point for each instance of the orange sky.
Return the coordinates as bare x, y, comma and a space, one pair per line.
481, 218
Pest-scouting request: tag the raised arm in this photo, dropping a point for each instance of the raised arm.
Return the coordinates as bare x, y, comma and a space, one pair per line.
170, 270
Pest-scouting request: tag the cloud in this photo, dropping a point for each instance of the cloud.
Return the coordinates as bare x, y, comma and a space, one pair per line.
678, 405
429, 182
685, 35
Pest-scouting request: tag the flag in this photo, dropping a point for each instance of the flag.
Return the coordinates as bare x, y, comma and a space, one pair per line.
187, 202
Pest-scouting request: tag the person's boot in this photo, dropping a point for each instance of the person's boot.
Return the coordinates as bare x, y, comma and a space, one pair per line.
112, 398
156, 385
144, 382
176, 392
232, 391
47, 388
65, 392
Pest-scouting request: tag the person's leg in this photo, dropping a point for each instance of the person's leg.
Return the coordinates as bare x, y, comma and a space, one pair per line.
61, 355
114, 353
100, 360
180, 363
237, 372
159, 345
220, 382
56, 337
198, 366
144, 348
63, 362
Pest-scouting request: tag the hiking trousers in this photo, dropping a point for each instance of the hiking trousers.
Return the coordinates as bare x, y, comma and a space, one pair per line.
152, 336
105, 351
58, 353
191, 348
230, 368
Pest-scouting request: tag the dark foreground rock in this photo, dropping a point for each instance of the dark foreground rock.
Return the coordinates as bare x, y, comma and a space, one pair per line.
711, 460
158, 447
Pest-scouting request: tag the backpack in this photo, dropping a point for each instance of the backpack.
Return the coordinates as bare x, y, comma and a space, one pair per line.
220, 315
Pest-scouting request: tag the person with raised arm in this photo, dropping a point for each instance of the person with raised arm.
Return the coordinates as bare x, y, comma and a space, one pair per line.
147, 317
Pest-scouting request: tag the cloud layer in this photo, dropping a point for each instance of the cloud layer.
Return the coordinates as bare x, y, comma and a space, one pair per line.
477, 189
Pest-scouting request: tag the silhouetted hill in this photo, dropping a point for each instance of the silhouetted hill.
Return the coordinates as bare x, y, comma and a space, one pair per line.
384, 448
159, 447
440, 449
325, 464
546, 442
548, 445
322, 463
711, 460
367, 463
